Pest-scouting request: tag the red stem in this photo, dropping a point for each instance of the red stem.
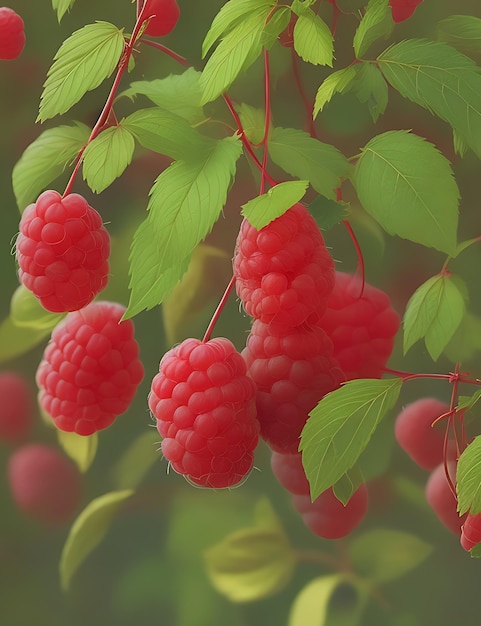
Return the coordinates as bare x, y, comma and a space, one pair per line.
305, 100
267, 120
218, 310
177, 57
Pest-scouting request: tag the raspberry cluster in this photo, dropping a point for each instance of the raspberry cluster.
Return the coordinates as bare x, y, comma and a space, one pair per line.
12, 35
62, 251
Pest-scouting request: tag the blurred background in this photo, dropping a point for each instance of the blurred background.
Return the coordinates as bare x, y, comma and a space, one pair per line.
149, 569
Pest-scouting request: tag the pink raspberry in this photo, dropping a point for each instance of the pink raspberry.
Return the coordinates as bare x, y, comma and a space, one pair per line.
293, 369
12, 35
90, 369
16, 407
62, 251
165, 14
44, 483
403, 9
284, 271
441, 499
471, 531
205, 408
289, 471
362, 327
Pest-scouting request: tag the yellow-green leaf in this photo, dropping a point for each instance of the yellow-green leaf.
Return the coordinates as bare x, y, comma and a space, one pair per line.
79, 448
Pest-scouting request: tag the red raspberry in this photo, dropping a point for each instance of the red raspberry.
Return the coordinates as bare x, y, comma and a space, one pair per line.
284, 271
403, 9
441, 499
293, 369
62, 251
44, 483
362, 328
205, 409
471, 531
12, 35
16, 407
165, 14
289, 471
90, 369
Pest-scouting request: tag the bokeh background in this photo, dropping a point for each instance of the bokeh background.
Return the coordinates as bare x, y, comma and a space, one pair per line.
149, 568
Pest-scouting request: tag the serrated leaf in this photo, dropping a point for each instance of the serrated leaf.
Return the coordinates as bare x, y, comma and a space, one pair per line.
274, 27
26, 311
228, 17
45, 159
340, 427
137, 460
408, 186
463, 32
185, 202
106, 157
79, 448
252, 563
349, 482
383, 555
376, 22
440, 79
87, 532
62, 6
262, 210
180, 93
468, 478
82, 63
302, 156
434, 312
459, 145
370, 87
313, 40
235, 53
167, 133
327, 212
253, 122
337, 82
18, 340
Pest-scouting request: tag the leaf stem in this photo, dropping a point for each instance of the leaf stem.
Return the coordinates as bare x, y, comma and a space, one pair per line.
218, 310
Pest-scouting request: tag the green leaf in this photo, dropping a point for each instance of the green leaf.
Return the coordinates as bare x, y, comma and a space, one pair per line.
252, 563
440, 79
302, 156
376, 22
180, 93
475, 551
370, 87
45, 159
340, 427
313, 40
337, 82
384, 555
408, 186
106, 157
82, 63
466, 341
467, 402
376, 457
79, 448
349, 482
137, 460
253, 122
229, 16
262, 210
185, 202
462, 32
167, 133
468, 478
26, 311
434, 311
235, 53
327, 212
62, 6
87, 532
274, 27
18, 340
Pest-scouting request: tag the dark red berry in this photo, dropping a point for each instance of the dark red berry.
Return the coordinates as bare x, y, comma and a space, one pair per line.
62, 251
165, 15
205, 408
441, 499
90, 369
471, 531
403, 9
12, 35
16, 407
44, 483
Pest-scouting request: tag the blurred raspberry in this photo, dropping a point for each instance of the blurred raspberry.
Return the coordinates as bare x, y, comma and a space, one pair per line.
403, 9
12, 35
293, 369
90, 369
62, 251
205, 409
284, 271
289, 471
471, 531
441, 499
16, 407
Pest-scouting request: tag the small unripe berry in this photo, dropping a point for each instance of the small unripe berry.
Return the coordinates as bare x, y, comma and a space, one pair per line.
12, 35
16, 407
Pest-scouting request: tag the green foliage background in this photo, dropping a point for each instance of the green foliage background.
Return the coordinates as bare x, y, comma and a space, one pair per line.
148, 570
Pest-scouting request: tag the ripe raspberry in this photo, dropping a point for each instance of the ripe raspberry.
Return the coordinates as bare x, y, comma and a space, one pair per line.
403, 9
283, 272
293, 369
205, 409
289, 471
12, 35
362, 328
44, 483
62, 251
16, 407
471, 531
90, 369
441, 499
165, 14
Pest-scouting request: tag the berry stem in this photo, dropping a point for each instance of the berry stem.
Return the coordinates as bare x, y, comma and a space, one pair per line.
267, 122
305, 101
218, 310
177, 57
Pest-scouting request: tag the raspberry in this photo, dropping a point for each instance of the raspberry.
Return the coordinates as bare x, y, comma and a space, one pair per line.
165, 15
62, 251
362, 328
44, 483
471, 531
12, 35
403, 9
293, 369
441, 499
205, 409
289, 471
90, 369
16, 407
283, 272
